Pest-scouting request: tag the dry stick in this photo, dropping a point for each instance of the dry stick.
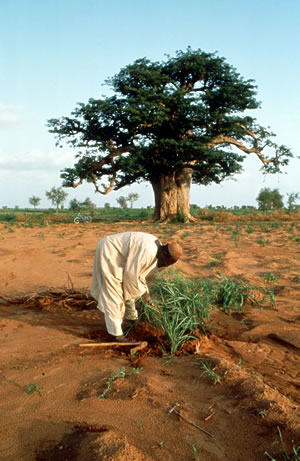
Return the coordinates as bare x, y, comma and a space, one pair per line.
70, 281
209, 416
188, 421
193, 424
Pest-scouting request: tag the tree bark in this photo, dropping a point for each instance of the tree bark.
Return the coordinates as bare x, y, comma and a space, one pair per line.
172, 196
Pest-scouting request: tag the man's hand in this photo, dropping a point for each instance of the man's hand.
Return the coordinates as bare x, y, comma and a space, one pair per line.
147, 298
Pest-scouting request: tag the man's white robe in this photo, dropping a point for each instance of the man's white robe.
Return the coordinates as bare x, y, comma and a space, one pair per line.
121, 265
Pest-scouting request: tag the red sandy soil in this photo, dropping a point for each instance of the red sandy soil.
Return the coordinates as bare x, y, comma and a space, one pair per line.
255, 353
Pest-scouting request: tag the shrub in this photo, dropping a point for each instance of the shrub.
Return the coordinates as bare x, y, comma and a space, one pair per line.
8, 217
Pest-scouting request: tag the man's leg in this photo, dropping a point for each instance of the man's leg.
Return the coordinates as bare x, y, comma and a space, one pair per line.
114, 329
130, 310
113, 325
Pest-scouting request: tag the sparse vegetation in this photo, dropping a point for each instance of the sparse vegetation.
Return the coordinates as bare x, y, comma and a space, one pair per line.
232, 294
121, 373
284, 454
32, 388
269, 277
209, 371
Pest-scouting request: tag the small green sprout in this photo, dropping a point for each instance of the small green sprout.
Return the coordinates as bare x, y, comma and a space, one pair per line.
121, 373
210, 373
31, 388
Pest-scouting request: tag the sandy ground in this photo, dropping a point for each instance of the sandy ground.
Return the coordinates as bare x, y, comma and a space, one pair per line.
50, 387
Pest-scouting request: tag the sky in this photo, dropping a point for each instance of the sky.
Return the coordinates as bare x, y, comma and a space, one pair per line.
57, 53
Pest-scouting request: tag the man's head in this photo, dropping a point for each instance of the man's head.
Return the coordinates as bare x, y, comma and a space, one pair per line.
168, 254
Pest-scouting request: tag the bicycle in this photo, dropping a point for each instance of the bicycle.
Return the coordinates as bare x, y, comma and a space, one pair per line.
82, 218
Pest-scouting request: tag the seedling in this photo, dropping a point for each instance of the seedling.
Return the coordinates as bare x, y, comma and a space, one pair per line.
261, 241
196, 455
214, 263
294, 456
233, 293
121, 373
31, 388
235, 235
249, 230
208, 371
269, 277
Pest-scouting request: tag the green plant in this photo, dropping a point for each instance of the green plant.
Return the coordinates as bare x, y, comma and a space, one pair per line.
31, 388
261, 241
296, 278
219, 255
269, 277
121, 373
185, 234
235, 235
181, 306
9, 217
195, 451
270, 296
209, 372
294, 456
214, 262
232, 293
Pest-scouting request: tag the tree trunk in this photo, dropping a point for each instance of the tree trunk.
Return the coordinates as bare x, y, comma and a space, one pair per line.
172, 196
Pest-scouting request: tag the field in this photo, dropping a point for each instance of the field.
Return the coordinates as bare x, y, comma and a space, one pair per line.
62, 402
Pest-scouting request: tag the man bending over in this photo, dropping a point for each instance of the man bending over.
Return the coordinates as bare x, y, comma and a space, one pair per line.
122, 263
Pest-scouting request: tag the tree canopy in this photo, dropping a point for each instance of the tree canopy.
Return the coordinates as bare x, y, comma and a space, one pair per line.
268, 199
169, 123
34, 201
57, 196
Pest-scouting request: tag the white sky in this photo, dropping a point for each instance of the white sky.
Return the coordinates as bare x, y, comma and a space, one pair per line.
57, 53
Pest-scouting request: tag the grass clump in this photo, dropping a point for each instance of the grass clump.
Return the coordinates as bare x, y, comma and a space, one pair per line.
232, 294
181, 307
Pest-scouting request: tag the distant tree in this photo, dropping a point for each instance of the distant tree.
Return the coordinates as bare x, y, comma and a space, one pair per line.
75, 205
107, 206
122, 202
57, 196
132, 197
268, 199
292, 201
88, 205
34, 201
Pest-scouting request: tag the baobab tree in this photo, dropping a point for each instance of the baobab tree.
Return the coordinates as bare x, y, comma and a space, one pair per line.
169, 123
